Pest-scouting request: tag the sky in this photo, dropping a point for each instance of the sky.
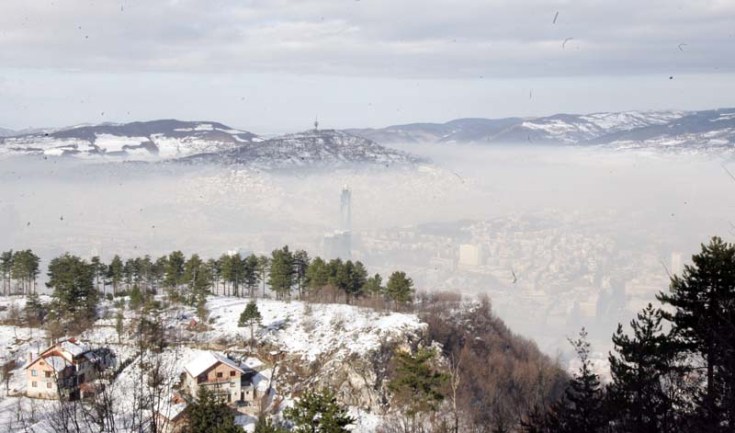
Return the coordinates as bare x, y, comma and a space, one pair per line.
272, 66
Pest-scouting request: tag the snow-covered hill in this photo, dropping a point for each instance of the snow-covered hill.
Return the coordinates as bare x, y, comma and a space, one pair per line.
153, 140
6, 132
307, 149
658, 130
300, 344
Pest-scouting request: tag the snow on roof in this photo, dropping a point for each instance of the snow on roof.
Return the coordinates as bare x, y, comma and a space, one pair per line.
206, 360
173, 410
73, 347
253, 363
58, 363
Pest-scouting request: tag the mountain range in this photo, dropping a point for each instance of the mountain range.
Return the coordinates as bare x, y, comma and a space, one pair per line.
201, 142
137, 140
667, 130
193, 142
6, 132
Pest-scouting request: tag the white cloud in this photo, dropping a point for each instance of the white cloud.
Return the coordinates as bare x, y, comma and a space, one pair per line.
409, 38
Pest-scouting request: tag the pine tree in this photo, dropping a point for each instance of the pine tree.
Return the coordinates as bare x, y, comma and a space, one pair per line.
6, 264
301, 265
318, 412
174, 270
640, 396
250, 317
72, 281
99, 271
263, 270
215, 272
338, 275
226, 271
129, 273
399, 288
208, 414
357, 275
704, 327
317, 275
251, 276
115, 273
374, 286
581, 408
25, 269
281, 272
158, 271
417, 384
236, 273
144, 265
34, 310
136, 298
197, 278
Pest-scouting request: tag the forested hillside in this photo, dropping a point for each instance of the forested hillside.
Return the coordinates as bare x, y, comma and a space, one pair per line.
394, 359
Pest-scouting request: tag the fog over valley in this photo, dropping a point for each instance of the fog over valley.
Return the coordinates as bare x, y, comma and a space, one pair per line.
559, 237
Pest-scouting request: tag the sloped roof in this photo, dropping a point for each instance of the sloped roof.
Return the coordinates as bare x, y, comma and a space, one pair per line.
206, 360
74, 347
58, 363
171, 411
67, 349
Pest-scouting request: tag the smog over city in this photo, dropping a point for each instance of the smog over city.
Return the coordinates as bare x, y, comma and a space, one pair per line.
469, 186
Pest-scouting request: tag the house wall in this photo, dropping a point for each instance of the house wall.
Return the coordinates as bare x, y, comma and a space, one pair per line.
45, 386
227, 386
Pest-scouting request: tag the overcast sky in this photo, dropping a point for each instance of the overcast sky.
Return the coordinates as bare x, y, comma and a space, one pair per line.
272, 65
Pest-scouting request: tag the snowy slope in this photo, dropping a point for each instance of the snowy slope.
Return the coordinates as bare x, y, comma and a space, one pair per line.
314, 340
132, 141
314, 330
310, 148
6, 132
711, 130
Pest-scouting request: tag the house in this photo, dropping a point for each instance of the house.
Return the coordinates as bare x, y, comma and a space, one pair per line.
173, 416
224, 377
68, 368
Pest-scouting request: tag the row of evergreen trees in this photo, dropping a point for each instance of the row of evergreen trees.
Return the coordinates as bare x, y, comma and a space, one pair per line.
674, 371
19, 271
77, 284
286, 273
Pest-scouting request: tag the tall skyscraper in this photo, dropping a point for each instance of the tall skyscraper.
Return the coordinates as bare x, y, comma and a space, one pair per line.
346, 209
339, 243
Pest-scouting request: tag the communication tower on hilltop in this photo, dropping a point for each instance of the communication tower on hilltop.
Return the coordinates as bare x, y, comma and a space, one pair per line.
316, 123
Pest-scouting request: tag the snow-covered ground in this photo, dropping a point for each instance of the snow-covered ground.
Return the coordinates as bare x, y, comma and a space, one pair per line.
312, 330
296, 330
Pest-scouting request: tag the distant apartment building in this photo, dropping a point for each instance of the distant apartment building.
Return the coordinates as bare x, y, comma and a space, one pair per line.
470, 256
68, 369
338, 245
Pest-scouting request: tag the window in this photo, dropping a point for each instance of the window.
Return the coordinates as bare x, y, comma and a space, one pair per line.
34, 373
219, 375
48, 374
232, 373
34, 384
48, 384
202, 378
